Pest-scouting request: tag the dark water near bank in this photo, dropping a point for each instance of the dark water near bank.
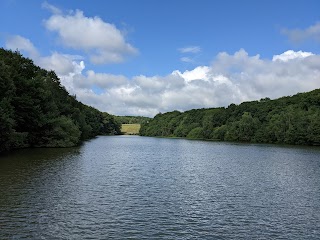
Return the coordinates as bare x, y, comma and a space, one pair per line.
131, 187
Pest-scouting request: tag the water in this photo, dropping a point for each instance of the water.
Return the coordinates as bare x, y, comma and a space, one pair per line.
130, 187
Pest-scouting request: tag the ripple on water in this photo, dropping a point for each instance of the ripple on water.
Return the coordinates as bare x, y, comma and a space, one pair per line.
131, 187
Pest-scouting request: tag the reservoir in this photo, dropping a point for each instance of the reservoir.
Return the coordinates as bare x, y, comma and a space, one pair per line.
131, 187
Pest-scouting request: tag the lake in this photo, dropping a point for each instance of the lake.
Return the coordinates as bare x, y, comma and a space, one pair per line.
131, 187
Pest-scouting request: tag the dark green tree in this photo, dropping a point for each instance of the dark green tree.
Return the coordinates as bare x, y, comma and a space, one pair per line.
37, 111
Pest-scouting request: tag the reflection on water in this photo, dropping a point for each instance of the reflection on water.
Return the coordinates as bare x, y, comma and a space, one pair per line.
151, 188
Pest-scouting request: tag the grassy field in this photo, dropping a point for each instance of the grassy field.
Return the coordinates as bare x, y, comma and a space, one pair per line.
130, 129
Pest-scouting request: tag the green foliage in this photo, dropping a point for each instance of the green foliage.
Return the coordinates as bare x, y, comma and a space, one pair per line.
131, 119
63, 133
289, 120
110, 126
6, 126
196, 133
219, 133
242, 130
36, 111
313, 130
161, 125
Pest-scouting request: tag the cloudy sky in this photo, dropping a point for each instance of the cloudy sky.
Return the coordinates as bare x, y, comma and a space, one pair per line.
146, 56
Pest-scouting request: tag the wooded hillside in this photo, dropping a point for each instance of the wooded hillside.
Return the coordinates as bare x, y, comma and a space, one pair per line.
132, 119
37, 111
288, 120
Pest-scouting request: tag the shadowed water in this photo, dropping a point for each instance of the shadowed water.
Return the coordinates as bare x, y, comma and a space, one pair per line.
130, 187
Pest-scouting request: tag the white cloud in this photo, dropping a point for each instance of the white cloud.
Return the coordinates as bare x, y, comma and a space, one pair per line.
199, 73
231, 78
190, 49
255, 78
290, 55
66, 66
103, 41
101, 80
62, 64
299, 35
51, 8
22, 44
186, 59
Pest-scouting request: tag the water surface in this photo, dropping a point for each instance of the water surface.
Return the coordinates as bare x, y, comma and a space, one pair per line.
130, 187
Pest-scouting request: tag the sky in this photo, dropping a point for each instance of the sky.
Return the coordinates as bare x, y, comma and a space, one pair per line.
143, 57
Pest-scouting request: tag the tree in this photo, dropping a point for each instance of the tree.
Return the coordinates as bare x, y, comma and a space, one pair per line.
35, 110
220, 132
64, 133
6, 108
291, 120
196, 133
313, 130
242, 130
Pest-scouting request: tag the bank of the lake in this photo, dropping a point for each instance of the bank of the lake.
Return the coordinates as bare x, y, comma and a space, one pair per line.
121, 187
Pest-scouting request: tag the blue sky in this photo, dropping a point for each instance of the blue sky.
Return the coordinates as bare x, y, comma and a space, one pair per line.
143, 57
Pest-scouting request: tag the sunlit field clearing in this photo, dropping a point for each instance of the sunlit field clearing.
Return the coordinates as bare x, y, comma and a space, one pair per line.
130, 129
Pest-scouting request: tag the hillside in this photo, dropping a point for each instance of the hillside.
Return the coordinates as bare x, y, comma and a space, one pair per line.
288, 120
37, 111
131, 119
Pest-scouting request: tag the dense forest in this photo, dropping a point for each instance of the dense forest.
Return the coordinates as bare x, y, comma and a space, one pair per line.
132, 119
287, 120
36, 111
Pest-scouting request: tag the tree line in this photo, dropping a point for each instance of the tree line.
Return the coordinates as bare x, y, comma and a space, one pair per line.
287, 120
37, 111
132, 119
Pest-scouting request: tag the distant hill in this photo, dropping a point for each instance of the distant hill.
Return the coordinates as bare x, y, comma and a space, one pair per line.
287, 120
132, 119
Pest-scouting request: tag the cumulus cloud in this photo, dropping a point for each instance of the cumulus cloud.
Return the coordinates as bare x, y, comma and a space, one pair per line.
199, 73
100, 80
20, 43
300, 35
62, 64
103, 41
190, 49
66, 66
290, 55
231, 78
